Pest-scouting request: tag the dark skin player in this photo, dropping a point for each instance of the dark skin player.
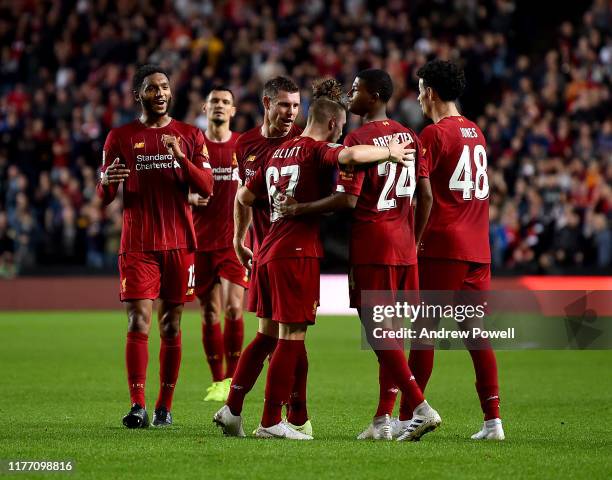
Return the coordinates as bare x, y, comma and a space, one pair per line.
155, 98
369, 107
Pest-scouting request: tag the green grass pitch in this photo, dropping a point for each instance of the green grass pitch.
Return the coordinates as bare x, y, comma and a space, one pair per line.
64, 392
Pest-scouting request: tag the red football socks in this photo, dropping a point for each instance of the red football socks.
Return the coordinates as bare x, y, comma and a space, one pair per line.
387, 392
297, 413
212, 339
281, 377
169, 365
249, 367
233, 336
136, 360
420, 363
394, 361
487, 384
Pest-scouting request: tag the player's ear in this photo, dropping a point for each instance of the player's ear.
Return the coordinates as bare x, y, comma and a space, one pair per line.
266, 102
204, 109
136, 96
233, 112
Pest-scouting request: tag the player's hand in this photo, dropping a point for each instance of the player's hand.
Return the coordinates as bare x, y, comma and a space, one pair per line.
244, 254
399, 152
197, 200
172, 142
285, 205
115, 173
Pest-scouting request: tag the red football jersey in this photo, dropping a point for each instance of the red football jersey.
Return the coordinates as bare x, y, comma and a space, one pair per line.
455, 155
252, 151
302, 168
382, 231
156, 215
214, 223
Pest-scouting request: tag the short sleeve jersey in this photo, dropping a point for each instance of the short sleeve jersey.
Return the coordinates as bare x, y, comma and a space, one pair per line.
458, 227
252, 151
302, 168
382, 231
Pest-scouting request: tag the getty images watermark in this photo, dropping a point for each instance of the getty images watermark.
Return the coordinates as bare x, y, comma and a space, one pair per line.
510, 320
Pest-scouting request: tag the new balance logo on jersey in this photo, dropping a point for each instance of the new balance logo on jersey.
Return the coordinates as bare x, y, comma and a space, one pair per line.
139, 145
250, 158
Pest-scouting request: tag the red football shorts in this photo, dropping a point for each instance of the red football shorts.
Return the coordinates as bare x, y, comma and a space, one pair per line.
449, 274
288, 290
215, 264
381, 277
168, 274
252, 297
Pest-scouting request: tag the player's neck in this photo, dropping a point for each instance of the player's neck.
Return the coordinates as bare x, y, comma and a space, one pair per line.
377, 114
443, 110
218, 133
151, 121
315, 133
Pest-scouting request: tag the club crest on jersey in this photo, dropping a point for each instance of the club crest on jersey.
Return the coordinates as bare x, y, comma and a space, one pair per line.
234, 160
204, 151
250, 158
139, 145
123, 284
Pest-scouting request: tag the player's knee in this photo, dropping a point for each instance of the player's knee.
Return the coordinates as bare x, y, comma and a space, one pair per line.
170, 321
139, 321
210, 316
233, 312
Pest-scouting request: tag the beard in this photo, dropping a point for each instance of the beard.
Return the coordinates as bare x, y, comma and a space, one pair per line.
148, 106
218, 122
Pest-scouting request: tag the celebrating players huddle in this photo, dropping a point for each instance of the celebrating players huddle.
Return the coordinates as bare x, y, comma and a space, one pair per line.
179, 241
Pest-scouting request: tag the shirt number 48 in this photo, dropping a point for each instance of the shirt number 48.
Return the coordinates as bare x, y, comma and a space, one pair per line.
461, 178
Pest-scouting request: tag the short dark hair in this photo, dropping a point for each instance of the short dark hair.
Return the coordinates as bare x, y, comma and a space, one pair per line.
144, 71
279, 84
446, 78
377, 82
220, 88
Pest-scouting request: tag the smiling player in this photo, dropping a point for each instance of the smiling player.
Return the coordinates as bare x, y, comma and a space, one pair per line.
158, 160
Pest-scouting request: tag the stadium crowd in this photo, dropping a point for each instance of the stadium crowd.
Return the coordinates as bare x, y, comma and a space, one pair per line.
66, 74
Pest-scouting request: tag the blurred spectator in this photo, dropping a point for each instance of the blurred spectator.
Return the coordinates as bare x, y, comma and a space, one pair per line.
65, 80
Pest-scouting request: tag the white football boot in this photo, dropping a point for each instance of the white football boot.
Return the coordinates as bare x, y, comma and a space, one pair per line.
281, 430
491, 430
397, 426
424, 419
229, 423
379, 429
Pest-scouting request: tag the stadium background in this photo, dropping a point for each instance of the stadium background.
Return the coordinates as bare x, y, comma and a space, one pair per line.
538, 85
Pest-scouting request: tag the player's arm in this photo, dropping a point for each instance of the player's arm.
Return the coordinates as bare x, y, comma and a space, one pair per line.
200, 180
424, 199
361, 154
289, 207
427, 146
243, 216
113, 174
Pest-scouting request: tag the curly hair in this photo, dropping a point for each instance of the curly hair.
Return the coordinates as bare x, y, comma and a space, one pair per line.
328, 88
446, 78
143, 72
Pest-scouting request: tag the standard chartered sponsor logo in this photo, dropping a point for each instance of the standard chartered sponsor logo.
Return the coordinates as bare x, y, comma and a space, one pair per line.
224, 174
160, 160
